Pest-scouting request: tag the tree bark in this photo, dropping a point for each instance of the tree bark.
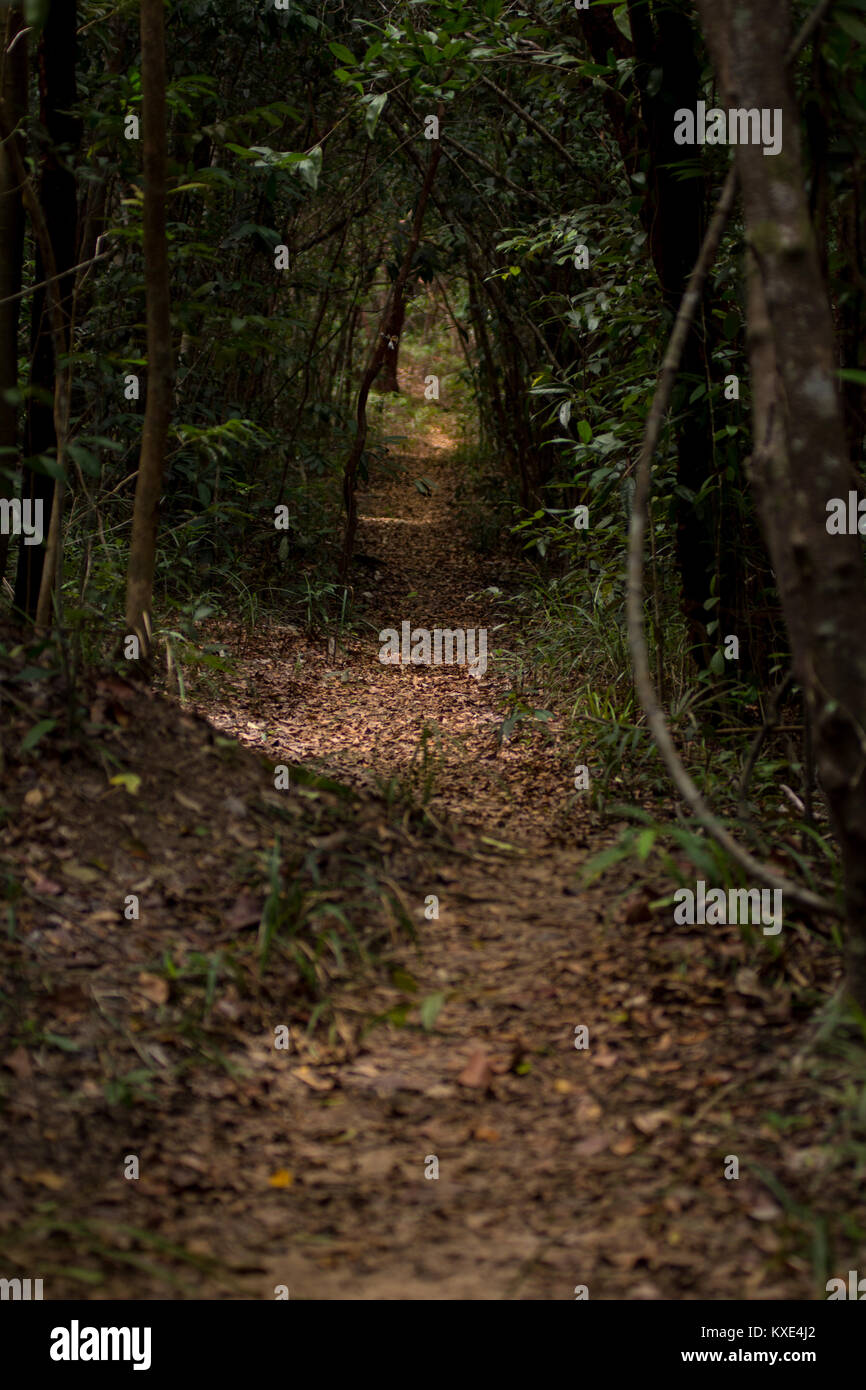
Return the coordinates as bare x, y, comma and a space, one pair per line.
57, 197
800, 458
157, 413
389, 380
14, 95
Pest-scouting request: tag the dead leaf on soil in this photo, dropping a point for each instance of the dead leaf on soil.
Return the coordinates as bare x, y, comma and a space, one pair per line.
591, 1146
651, 1120
625, 1146
53, 1181
310, 1078
246, 912
603, 1057
80, 873
477, 1071
765, 1210
19, 1062
155, 988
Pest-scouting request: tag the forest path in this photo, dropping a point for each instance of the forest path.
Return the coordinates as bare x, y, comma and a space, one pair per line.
349, 714
150, 1036
557, 1166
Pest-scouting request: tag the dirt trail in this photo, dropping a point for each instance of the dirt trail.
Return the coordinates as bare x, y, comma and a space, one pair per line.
558, 1166
352, 715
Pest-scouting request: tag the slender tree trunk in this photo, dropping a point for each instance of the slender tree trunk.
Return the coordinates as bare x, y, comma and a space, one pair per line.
157, 414
57, 195
389, 380
14, 94
800, 459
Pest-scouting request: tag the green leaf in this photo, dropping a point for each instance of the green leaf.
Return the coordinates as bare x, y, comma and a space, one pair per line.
717, 664
403, 980
33, 673
854, 28
431, 1007
344, 54
375, 107
129, 780
32, 737
310, 168
600, 863
585, 431
49, 466
65, 1044
87, 462
644, 843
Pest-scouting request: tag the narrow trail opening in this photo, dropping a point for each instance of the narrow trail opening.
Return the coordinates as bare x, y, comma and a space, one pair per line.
339, 708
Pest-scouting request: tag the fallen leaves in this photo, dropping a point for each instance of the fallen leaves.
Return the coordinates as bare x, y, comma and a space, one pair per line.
154, 988
478, 1072
19, 1062
591, 1146
80, 873
651, 1121
313, 1079
519, 1150
603, 1057
246, 911
45, 1178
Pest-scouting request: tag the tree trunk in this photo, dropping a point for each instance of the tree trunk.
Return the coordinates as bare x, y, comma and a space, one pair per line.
57, 195
14, 96
800, 458
389, 380
157, 414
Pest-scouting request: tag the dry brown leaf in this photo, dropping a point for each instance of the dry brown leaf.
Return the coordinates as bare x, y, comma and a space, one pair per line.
311, 1079
591, 1146
765, 1210
246, 912
651, 1120
45, 1178
155, 988
587, 1112
603, 1057
81, 873
19, 1062
477, 1071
